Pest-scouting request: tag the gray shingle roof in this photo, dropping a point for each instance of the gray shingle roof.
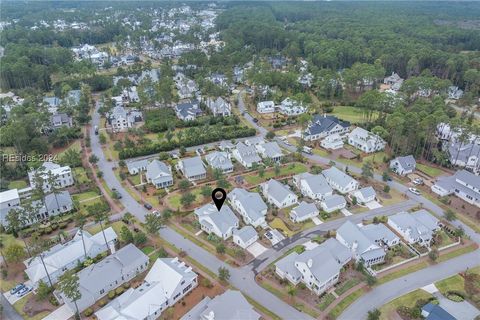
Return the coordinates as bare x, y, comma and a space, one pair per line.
324, 124
277, 190
219, 160
334, 200
158, 172
251, 201
316, 182
223, 219
341, 178
407, 162
367, 192
246, 233
304, 209
193, 166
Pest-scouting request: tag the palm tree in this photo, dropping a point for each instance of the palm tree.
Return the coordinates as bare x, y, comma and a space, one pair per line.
101, 216
80, 221
39, 246
68, 285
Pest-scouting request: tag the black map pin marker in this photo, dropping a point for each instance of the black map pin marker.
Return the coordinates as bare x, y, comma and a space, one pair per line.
219, 195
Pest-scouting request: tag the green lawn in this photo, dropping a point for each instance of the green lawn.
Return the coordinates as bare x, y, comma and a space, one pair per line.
135, 179
117, 226
352, 114
174, 200
278, 223
350, 283
348, 300
326, 301
376, 158
17, 184
407, 300
20, 304
431, 171
455, 283
456, 253
85, 195
80, 175
148, 250
254, 178
402, 272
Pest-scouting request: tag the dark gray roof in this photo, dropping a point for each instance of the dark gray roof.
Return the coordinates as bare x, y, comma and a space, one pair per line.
324, 124
304, 209
246, 233
407, 162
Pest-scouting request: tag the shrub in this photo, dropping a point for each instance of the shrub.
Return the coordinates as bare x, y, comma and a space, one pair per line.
455, 296
53, 300
126, 285
111, 294
88, 312
119, 291
102, 302
206, 283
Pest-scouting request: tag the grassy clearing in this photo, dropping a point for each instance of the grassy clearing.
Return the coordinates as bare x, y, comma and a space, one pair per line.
431, 171
80, 175
254, 178
456, 253
407, 300
455, 283
402, 272
17, 184
85, 195
278, 223
135, 179
74, 146
174, 200
20, 304
117, 226
352, 114
376, 158
348, 300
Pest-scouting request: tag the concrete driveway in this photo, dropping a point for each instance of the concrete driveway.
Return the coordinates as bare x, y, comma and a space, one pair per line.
373, 205
256, 249
62, 313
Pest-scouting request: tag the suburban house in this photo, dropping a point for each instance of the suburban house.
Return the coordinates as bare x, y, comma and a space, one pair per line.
245, 237
278, 194
226, 146
219, 107
62, 174
290, 107
53, 204
193, 168
403, 165
303, 212
463, 184
229, 305
52, 103
218, 79
365, 195
120, 119
220, 160
417, 227
250, 205
159, 174
270, 150
265, 107
454, 93
136, 166
167, 282
9, 200
362, 247
380, 234
222, 223
59, 120
332, 142
465, 155
246, 155
333, 202
66, 256
314, 186
318, 268
394, 81
366, 141
323, 126
96, 280
339, 180
188, 111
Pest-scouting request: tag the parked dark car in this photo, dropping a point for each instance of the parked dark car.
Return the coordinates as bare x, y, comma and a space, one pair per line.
17, 288
148, 206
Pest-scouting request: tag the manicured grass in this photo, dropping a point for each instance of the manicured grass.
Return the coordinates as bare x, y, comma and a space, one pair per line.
431, 171
135, 179
454, 283
117, 226
402, 272
350, 283
20, 304
278, 223
407, 300
148, 250
261, 308
174, 200
376, 158
348, 300
254, 178
17, 184
85, 195
80, 175
326, 301
74, 146
395, 197
456, 253
352, 114
321, 152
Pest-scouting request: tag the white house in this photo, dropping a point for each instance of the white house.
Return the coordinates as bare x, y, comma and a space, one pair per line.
314, 186
159, 174
366, 141
66, 256
380, 234
278, 194
455, 93
120, 119
290, 107
323, 126
61, 174
417, 227
245, 237
339, 180
9, 200
193, 168
265, 107
365, 195
246, 155
270, 150
318, 268
222, 223
250, 205
137, 166
220, 160
219, 107
167, 282
332, 142
96, 280
465, 154
303, 212
333, 202
403, 165
362, 247
463, 184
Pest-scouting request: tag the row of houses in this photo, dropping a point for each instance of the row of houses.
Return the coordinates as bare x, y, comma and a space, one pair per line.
319, 266
288, 107
190, 110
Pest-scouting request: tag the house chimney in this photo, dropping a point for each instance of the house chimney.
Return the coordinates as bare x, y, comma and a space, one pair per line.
310, 263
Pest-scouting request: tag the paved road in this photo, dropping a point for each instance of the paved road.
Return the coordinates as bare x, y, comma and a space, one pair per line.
398, 287
8, 313
241, 278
